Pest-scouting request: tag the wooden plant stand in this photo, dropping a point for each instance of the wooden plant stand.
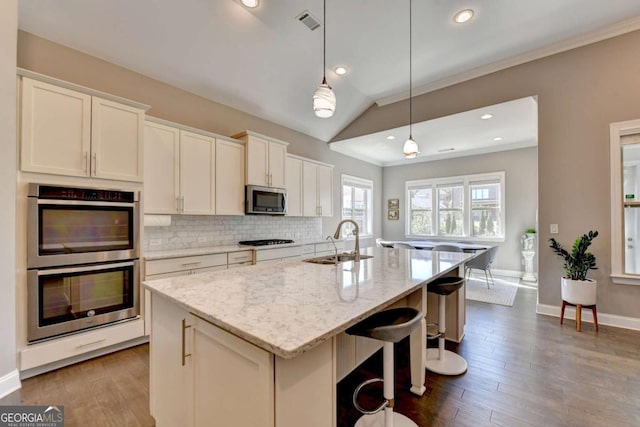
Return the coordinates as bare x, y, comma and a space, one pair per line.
579, 314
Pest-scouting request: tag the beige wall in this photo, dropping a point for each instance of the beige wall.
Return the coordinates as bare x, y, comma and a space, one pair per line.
8, 31
521, 187
169, 103
579, 93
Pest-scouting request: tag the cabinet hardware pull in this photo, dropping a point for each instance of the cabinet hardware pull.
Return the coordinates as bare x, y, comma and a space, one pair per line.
184, 345
86, 163
95, 164
91, 343
177, 203
184, 264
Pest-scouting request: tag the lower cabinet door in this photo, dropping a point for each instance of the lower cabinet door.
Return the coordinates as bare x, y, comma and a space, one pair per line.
232, 380
169, 389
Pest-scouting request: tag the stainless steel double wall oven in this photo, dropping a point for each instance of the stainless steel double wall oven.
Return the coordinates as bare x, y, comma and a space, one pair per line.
82, 258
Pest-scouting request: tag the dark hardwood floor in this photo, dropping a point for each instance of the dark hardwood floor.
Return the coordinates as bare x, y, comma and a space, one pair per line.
524, 370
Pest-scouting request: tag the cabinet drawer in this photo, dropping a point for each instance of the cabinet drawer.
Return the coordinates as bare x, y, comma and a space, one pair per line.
277, 253
240, 257
162, 266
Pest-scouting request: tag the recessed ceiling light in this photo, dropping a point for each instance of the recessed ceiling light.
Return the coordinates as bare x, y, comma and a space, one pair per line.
486, 116
341, 71
463, 16
250, 3
498, 138
390, 137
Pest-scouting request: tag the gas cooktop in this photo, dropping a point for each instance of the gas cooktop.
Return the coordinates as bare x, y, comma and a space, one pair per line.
265, 242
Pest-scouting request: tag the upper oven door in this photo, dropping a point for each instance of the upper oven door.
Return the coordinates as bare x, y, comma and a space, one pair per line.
67, 232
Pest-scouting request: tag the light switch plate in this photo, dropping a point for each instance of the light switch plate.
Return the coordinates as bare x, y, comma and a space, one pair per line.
553, 229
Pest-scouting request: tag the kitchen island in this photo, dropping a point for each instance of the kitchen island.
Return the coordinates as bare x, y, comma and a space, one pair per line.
265, 345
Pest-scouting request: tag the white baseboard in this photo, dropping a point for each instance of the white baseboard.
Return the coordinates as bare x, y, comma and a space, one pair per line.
603, 318
9, 383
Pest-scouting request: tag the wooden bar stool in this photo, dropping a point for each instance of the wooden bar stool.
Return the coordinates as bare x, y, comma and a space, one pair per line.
579, 308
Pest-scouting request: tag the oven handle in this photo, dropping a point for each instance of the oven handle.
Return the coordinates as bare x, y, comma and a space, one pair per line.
68, 270
83, 203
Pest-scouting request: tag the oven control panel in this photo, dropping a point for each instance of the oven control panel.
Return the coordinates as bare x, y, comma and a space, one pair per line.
90, 194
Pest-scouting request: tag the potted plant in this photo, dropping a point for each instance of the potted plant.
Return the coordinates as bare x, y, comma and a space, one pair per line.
576, 288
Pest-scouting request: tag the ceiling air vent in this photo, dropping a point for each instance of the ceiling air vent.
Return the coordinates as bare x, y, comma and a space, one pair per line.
308, 20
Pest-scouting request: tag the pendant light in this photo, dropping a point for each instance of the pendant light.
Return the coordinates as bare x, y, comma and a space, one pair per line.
410, 149
324, 100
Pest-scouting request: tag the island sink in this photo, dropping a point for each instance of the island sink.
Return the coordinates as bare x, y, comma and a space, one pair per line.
331, 259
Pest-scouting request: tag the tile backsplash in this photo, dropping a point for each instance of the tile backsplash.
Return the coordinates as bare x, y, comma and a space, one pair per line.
195, 231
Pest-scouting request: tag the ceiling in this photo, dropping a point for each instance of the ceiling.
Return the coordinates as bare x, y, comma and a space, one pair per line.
512, 125
265, 62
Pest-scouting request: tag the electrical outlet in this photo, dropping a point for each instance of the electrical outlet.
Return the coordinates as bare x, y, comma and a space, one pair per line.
553, 229
155, 242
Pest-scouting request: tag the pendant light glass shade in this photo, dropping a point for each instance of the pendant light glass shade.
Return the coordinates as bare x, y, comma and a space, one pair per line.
324, 100
410, 149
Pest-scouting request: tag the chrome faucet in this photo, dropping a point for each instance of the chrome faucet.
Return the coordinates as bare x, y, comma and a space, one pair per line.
356, 231
335, 248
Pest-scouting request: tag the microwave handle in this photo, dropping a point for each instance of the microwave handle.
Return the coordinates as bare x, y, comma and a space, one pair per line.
284, 202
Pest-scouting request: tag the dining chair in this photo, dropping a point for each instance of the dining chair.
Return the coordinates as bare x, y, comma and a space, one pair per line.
482, 262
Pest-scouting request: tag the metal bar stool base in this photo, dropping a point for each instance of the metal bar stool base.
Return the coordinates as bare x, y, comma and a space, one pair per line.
377, 420
450, 364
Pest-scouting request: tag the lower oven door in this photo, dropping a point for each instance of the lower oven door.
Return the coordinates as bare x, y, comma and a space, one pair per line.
70, 299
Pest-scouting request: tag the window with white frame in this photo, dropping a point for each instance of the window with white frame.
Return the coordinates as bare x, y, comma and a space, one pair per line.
461, 207
357, 202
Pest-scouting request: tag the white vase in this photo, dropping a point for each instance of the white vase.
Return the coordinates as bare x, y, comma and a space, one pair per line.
581, 292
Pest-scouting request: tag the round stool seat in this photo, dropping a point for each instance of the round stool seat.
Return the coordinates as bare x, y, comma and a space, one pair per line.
390, 325
445, 285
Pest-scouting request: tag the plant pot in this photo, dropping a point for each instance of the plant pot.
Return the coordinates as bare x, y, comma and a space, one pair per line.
581, 292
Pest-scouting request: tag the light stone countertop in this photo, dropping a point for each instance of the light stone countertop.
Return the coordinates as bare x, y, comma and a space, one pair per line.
290, 307
173, 253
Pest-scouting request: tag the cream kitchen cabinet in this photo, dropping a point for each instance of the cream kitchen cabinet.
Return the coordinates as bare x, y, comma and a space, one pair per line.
180, 171
317, 189
69, 132
178, 266
189, 171
197, 173
230, 162
293, 184
201, 375
265, 163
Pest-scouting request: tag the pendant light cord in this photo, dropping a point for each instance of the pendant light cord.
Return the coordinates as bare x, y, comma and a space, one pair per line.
410, 79
324, 41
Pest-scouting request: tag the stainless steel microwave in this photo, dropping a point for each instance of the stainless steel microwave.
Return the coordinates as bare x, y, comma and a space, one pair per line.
265, 200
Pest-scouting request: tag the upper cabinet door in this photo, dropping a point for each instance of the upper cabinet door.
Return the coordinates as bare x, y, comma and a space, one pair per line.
116, 141
257, 161
197, 173
277, 156
325, 190
55, 129
293, 184
161, 168
309, 189
229, 178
